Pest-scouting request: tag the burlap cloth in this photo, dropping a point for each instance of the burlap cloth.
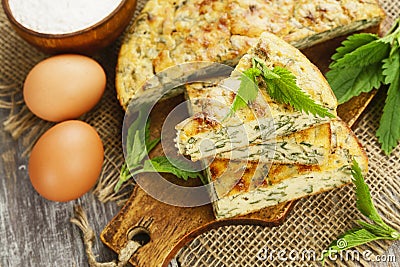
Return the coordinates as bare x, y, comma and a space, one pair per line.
313, 223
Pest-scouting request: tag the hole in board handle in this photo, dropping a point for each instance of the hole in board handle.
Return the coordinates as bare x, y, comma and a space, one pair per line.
139, 234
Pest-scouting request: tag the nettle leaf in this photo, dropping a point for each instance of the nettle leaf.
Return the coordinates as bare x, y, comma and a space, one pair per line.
164, 165
248, 89
377, 230
350, 239
391, 65
352, 81
364, 201
369, 232
389, 127
138, 151
280, 85
285, 90
150, 144
352, 43
136, 125
357, 66
365, 55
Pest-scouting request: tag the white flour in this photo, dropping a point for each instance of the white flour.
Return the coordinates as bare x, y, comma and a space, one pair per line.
60, 16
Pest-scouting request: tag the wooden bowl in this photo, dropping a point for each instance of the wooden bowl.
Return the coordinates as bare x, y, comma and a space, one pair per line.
87, 41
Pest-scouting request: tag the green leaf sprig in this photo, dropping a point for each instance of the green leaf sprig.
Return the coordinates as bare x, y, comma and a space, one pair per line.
364, 62
280, 85
367, 232
137, 150
164, 165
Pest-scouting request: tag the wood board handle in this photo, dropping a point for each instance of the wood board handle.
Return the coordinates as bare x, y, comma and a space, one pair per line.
172, 227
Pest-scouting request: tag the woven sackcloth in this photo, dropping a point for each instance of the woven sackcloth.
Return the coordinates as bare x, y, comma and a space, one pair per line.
314, 221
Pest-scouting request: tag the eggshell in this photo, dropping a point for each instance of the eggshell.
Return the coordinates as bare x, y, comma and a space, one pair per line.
66, 161
64, 87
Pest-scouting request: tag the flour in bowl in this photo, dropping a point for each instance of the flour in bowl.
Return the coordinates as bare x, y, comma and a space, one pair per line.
61, 16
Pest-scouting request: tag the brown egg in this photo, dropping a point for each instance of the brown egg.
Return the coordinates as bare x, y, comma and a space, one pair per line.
66, 161
64, 87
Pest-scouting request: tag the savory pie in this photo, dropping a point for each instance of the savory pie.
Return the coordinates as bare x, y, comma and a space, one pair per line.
170, 32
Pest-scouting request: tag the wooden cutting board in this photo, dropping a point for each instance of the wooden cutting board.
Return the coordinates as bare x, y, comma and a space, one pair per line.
172, 227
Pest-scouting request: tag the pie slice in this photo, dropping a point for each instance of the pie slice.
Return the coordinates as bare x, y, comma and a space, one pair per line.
309, 146
213, 131
267, 185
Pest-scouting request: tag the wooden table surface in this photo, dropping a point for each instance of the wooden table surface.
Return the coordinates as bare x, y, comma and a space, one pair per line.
37, 232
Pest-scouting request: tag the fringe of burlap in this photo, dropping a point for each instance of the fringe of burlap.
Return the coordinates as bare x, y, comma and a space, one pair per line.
80, 220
